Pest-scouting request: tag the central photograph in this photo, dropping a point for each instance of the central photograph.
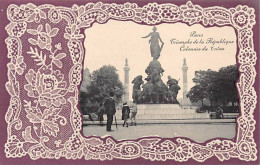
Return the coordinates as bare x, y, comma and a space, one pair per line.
167, 80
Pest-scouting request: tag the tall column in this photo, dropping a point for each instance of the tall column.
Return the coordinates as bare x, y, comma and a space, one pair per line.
185, 81
126, 81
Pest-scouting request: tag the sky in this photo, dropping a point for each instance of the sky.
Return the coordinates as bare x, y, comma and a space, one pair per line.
113, 42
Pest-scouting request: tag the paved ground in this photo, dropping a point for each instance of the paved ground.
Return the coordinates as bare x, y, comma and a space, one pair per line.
199, 132
169, 121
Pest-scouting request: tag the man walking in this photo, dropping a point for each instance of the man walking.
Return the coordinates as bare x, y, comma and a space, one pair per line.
110, 110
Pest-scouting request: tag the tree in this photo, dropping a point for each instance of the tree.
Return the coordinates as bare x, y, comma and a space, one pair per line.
223, 86
86, 80
83, 90
216, 86
103, 81
203, 80
197, 93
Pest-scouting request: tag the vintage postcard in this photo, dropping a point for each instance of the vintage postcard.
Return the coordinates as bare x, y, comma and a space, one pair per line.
129, 82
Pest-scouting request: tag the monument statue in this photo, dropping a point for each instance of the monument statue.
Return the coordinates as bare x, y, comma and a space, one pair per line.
147, 93
155, 91
173, 90
138, 81
154, 43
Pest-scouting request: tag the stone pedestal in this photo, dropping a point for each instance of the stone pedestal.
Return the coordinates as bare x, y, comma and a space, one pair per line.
167, 112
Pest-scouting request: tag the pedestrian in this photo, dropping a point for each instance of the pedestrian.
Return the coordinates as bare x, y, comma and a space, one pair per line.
110, 110
219, 113
85, 113
100, 114
133, 114
125, 114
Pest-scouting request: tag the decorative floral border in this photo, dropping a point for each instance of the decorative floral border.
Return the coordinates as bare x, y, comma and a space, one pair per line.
44, 72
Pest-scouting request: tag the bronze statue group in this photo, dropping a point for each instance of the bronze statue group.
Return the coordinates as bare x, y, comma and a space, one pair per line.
155, 91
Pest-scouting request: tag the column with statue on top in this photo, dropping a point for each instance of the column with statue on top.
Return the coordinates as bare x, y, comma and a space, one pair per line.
185, 82
126, 81
185, 103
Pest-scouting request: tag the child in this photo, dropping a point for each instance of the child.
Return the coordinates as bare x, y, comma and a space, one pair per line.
125, 114
133, 114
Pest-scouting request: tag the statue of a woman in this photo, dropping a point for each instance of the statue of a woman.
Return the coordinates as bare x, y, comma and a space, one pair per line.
154, 43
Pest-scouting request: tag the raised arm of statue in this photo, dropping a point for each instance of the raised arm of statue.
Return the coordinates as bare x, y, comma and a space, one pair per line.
147, 35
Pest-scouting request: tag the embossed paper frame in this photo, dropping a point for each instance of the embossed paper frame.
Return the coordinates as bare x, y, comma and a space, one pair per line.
46, 52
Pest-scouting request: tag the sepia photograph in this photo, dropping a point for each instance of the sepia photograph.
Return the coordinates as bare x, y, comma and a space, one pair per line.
170, 80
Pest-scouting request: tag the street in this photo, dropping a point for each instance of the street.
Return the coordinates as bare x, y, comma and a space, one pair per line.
196, 132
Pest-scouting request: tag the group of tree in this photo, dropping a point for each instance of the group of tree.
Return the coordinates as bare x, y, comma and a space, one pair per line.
219, 87
96, 86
